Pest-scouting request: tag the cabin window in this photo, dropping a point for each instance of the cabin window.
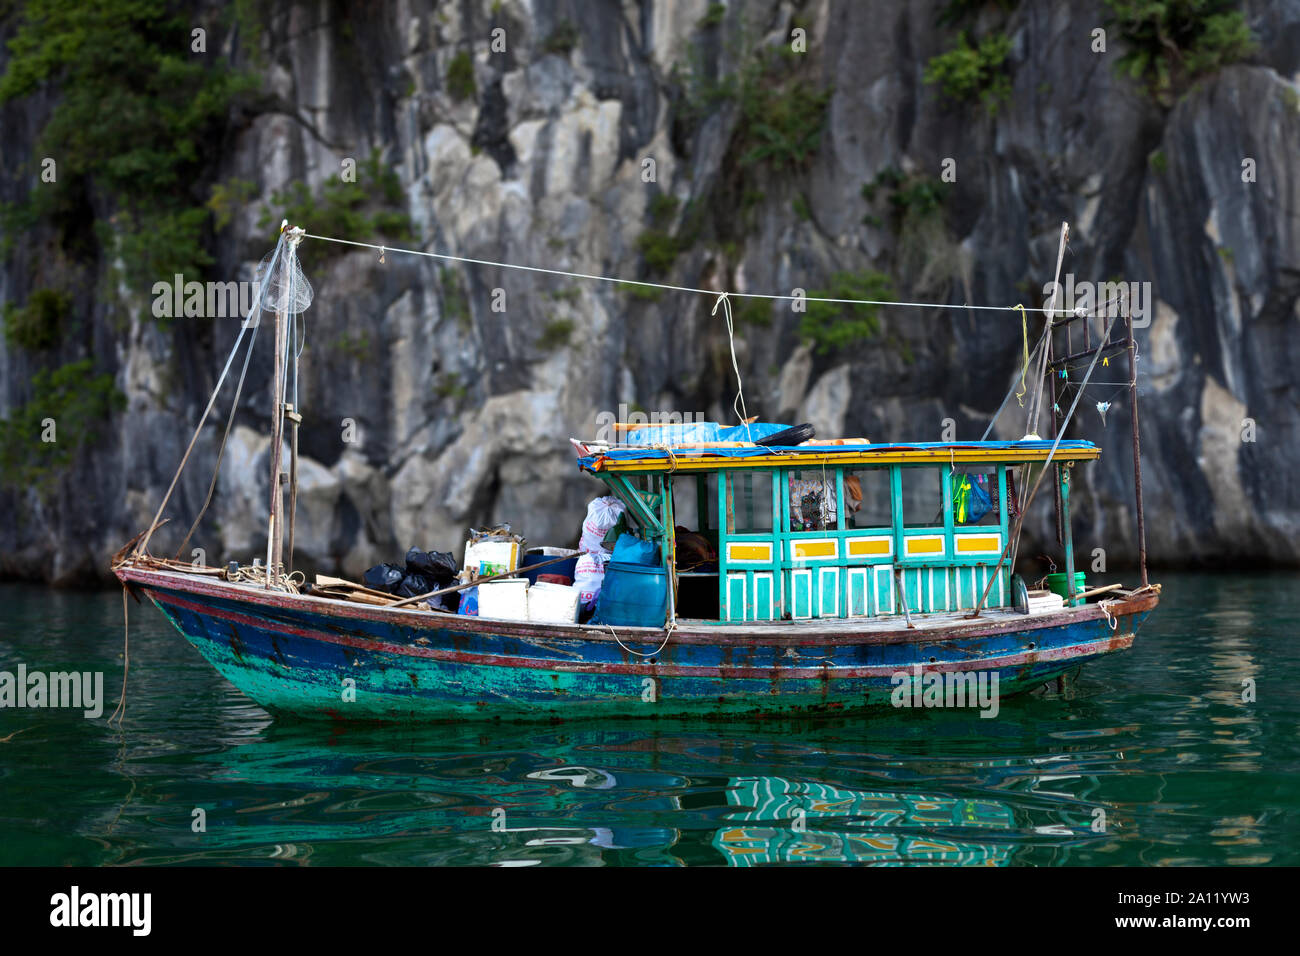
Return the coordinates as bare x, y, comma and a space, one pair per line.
811, 500
975, 496
695, 513
867, 499
749, 502
923, 497
695, 503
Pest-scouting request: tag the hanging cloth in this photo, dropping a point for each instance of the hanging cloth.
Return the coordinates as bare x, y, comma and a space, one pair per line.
1013, 504
970, 499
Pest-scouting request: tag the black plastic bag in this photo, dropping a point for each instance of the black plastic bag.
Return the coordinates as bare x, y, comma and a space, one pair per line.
413, 585
384, 577
446, 602
439, 567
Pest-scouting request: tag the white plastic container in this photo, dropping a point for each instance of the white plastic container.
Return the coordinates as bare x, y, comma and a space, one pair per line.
552, 603
504, 600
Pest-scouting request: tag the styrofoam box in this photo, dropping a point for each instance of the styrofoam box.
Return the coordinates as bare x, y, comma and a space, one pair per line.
505, 600
553, 603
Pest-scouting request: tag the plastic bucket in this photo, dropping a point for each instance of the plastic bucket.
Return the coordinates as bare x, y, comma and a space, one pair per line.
1056, 583
633, 595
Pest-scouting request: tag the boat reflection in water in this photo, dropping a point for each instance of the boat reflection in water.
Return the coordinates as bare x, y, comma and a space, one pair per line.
874, 827
587, 798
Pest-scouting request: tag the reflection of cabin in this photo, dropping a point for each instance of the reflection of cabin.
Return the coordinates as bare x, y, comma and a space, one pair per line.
877, 827
819, 531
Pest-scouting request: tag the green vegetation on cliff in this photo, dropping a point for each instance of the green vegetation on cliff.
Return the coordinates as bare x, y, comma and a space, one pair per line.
1169, 43
68, 408
138, 116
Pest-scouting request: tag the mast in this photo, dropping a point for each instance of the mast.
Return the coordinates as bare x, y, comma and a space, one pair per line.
1137, 443
291, 295
274, 536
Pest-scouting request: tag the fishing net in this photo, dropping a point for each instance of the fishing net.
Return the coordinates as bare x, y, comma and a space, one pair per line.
283, 286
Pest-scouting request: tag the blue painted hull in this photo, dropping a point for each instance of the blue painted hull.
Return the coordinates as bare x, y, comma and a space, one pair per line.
316, 658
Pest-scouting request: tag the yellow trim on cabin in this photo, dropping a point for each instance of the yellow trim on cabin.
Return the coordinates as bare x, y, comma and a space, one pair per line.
967, 543
813, 549
685, 461
749, 552
870, 547
932, 545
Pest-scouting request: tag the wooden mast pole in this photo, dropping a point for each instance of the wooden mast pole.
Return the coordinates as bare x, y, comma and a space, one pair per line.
1137, 443
1036, 403
274, 546
295, 419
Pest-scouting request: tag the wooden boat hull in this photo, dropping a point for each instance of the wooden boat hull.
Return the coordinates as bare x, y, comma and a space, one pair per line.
316, 658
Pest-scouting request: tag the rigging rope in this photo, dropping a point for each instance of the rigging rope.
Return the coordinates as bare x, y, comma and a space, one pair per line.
1024, 369
665, 286
742, 413
153, 525
1013, 540
221, 450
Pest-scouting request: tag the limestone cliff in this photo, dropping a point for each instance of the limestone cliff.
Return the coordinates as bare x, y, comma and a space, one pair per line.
463, 382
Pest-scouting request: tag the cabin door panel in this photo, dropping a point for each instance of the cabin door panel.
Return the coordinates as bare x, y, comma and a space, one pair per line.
751, 596
764, 591
997, 594
964, 589
815, 592
828, 592
882, 589
940, 589
801, 593
857, 592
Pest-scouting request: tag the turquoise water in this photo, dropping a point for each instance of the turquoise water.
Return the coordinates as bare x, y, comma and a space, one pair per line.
1151, 758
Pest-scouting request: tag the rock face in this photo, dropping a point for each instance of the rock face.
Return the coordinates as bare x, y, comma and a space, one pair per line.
439, 396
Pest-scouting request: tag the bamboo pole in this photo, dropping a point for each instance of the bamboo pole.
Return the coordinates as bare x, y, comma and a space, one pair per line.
1137, 446
476, 581
1024, 505
1036, 405
1093, 592
274, 548
295, 420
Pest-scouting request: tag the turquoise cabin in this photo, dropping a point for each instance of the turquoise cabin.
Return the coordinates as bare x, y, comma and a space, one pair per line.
847, 529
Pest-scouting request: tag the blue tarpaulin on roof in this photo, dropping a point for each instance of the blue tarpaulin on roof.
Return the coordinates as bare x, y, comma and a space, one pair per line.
687, 432
812, 448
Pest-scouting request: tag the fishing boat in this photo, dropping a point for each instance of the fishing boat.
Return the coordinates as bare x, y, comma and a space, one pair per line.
845, 574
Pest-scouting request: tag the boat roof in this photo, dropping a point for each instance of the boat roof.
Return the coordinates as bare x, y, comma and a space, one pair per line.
703, 458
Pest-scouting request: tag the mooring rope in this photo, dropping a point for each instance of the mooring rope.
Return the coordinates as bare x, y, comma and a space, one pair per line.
668, 633
126, 663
